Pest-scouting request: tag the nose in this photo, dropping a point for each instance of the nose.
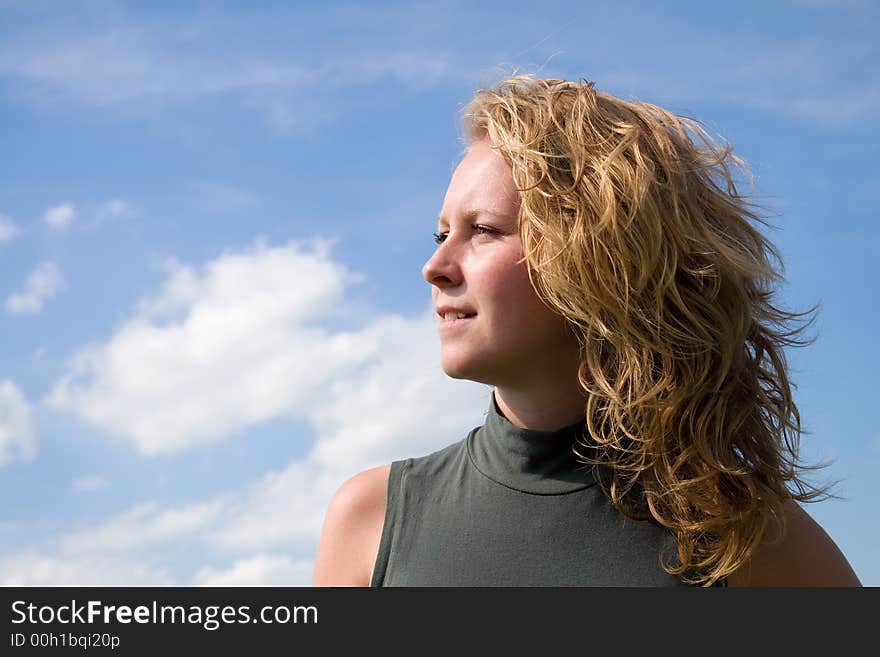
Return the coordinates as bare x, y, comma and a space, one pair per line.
442, 268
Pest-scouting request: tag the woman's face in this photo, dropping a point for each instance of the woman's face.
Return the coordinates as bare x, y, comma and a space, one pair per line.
509, 336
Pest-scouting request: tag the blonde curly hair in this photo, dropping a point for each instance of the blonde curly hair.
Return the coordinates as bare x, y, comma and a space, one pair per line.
634, 230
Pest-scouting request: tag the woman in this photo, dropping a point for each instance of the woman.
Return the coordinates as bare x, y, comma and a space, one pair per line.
598, 268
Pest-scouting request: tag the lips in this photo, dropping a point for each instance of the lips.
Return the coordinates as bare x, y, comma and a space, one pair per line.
451, 313
452, 323
452, 317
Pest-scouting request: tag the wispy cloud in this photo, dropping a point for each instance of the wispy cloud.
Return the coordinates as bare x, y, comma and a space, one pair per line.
60, 216
259, 570
792, 76
836, 5
132, 69
114, 208
8, 229
31, 568
293, 84
128, 65
217, 197
17, 439
841, 109
90, 483
42, 284
140, 527
107, 211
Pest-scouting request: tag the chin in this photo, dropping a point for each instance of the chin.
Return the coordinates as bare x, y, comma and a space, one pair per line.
456, 368
455, 372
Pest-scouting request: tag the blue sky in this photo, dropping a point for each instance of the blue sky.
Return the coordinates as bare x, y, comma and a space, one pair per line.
212, 224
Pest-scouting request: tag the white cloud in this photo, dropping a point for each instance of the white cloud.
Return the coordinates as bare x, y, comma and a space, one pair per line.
32, 568
16, 425
8, 229
246, 348
42, 284
60, 216
259, 570
90, 483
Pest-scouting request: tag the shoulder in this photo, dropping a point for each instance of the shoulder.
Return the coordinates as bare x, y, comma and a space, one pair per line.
352, 530
362, 492
804, 555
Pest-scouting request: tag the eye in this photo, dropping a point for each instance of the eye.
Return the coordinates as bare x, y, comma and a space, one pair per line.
479, 229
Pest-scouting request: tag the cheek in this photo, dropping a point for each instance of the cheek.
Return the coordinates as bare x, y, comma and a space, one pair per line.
544, 322
519, 310
521, 293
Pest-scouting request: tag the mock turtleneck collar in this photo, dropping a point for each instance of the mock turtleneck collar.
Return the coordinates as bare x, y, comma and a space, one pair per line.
531, 461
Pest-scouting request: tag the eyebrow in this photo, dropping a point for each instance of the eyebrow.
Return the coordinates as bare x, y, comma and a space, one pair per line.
472, 214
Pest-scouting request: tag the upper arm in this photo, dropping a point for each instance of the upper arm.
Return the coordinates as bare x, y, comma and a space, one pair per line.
352, 530
806, 556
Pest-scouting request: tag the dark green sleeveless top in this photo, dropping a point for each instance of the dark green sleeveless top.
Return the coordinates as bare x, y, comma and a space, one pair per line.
512, 507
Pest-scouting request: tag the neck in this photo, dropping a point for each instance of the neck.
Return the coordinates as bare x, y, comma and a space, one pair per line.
547, 408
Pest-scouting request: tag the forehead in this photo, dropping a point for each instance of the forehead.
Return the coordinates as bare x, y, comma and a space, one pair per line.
481, 182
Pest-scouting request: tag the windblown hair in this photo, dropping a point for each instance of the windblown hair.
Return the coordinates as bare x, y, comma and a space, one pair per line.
633, 229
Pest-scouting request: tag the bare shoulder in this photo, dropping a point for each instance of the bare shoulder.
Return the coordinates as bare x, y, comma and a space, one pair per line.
805, 556
352, 530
